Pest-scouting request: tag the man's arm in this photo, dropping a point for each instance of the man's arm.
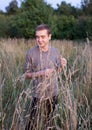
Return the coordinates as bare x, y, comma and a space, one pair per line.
46, 72
30, 75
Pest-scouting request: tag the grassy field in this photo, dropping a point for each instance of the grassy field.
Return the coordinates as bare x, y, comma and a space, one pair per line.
74, 108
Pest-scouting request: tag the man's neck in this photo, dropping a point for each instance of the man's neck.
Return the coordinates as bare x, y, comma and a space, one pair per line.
44, 49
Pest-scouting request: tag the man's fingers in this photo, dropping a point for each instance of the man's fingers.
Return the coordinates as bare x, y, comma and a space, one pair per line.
63, 62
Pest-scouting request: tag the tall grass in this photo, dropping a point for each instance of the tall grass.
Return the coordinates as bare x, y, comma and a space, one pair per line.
74, 108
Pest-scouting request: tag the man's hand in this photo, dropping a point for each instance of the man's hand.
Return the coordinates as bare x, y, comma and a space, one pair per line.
63, 62
48, 72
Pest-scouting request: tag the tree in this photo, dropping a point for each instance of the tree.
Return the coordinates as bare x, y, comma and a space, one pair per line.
90, 7
4, 25
33, 13
65, 27
12, 8
86, 6
66, 9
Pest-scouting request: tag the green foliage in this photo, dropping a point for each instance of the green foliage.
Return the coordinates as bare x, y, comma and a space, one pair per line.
33, 13
4, 20
87, 7
89, 27
12, 8
66, 9
67, 22
66, 28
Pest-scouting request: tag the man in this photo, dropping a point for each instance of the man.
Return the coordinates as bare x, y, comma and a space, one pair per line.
42, 64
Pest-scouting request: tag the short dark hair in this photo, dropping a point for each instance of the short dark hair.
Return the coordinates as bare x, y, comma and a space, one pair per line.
42, 27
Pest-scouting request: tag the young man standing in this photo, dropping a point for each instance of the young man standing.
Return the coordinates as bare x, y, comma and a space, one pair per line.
42, 64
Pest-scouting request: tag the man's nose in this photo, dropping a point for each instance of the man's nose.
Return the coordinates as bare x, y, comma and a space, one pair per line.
40, 39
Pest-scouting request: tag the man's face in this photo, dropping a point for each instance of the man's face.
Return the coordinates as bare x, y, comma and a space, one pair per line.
42, 38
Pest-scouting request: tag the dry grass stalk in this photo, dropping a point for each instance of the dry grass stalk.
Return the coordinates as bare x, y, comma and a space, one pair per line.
73, 107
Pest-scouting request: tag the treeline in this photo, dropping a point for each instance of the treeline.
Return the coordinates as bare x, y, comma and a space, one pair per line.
67, 21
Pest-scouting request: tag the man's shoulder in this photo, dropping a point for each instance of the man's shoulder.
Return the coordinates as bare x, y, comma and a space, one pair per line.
54, 49
32, 50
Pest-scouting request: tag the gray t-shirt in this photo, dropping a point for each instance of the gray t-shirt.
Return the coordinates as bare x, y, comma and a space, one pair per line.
43, 87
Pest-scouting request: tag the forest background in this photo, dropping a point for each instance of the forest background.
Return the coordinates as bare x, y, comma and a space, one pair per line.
67, 21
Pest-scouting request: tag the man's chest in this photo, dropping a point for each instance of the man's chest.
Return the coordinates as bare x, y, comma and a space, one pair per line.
43, 61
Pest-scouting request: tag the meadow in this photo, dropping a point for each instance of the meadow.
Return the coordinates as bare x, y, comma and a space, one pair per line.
74, 108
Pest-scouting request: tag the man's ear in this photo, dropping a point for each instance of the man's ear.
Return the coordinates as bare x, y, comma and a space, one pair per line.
50, 36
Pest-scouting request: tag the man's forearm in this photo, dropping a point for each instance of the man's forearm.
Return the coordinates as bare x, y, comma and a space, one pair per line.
29, 75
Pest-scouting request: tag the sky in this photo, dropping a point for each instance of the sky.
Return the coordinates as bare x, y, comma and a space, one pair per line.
53, 3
